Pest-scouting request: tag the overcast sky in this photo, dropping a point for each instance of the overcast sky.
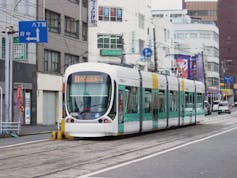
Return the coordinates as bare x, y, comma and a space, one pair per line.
169, 4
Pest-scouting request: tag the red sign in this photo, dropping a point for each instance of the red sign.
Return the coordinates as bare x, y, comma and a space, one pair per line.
19, 98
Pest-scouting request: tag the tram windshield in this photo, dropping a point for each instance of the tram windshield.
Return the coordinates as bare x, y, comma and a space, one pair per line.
88, 94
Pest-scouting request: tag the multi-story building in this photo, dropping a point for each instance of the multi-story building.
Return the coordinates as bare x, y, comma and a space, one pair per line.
203, 10
67, 44
194, 38
24, 63
227, 15
164, 32
119, 31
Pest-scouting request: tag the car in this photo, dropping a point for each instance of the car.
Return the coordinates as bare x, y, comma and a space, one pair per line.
207, 108
224, 107
215, 105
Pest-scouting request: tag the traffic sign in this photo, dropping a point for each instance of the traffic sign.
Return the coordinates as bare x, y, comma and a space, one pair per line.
228, 79
33, 31
147, 52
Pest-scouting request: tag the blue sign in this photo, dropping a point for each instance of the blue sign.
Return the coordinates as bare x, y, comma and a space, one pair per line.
147, 52
33, 31
228, 79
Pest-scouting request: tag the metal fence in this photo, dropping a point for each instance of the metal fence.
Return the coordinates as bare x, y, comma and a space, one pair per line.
8, 128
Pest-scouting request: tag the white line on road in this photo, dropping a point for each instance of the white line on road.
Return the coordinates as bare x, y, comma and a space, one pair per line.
156, 154
25, 143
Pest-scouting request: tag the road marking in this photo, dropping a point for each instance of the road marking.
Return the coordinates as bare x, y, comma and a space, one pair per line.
25, 143
156, 154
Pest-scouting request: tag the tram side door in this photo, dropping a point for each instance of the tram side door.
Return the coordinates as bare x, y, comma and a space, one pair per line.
155, 108
182, 104
121, 106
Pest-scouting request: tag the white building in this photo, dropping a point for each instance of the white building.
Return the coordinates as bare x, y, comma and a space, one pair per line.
11, 12
196, 38
164, 45
190, 38
117, 26
24, 62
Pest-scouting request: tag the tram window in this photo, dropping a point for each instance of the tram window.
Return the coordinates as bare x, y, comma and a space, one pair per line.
148, 103
199, 100
173, 101
161, 101
155, 101
131, 99
188, 100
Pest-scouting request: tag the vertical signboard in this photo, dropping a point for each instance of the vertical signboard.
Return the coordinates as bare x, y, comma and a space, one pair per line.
182, 62
20, 50
27, 108
196, 68
92, 13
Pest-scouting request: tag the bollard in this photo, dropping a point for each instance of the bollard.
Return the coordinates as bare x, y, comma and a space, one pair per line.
60, 135
54, 135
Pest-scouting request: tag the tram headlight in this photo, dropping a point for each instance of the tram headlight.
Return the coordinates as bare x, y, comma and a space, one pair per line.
69, 120
104, 120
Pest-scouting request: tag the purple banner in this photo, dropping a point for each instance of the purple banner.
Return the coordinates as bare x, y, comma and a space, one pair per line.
196, 68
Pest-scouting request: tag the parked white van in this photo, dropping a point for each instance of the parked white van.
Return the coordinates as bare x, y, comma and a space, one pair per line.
215, 105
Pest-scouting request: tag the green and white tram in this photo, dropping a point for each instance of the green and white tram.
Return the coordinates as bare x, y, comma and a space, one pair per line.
109, 100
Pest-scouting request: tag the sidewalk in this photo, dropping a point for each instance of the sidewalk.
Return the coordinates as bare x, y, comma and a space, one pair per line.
36, 129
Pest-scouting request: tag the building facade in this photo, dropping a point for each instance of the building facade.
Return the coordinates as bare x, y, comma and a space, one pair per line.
67, 44
202, 39
228, 43
203, 10
119, 31
23, 88
193, 39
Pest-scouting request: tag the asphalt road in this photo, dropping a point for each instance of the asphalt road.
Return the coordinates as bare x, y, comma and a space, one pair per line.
214, 157
80, 157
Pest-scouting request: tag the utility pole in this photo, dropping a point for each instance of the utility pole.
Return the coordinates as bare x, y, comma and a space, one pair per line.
9, 55
123, 52
204, 72
155, 54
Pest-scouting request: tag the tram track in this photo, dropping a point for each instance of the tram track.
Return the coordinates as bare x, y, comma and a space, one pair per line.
134, 151
54, 158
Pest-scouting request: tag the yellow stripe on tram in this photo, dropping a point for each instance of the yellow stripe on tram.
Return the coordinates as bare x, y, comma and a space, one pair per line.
182, 85
154, 81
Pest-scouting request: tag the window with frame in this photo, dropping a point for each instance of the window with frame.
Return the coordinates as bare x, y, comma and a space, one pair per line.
188, 100
26, 7
84, 59
70, 59
51, 61
141, 45
131, 99
141, 21
161, 103
173, 101
85, 3
71, 27
4, 3
110, 14
109, 41
84, 31
53, 19
148, 101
